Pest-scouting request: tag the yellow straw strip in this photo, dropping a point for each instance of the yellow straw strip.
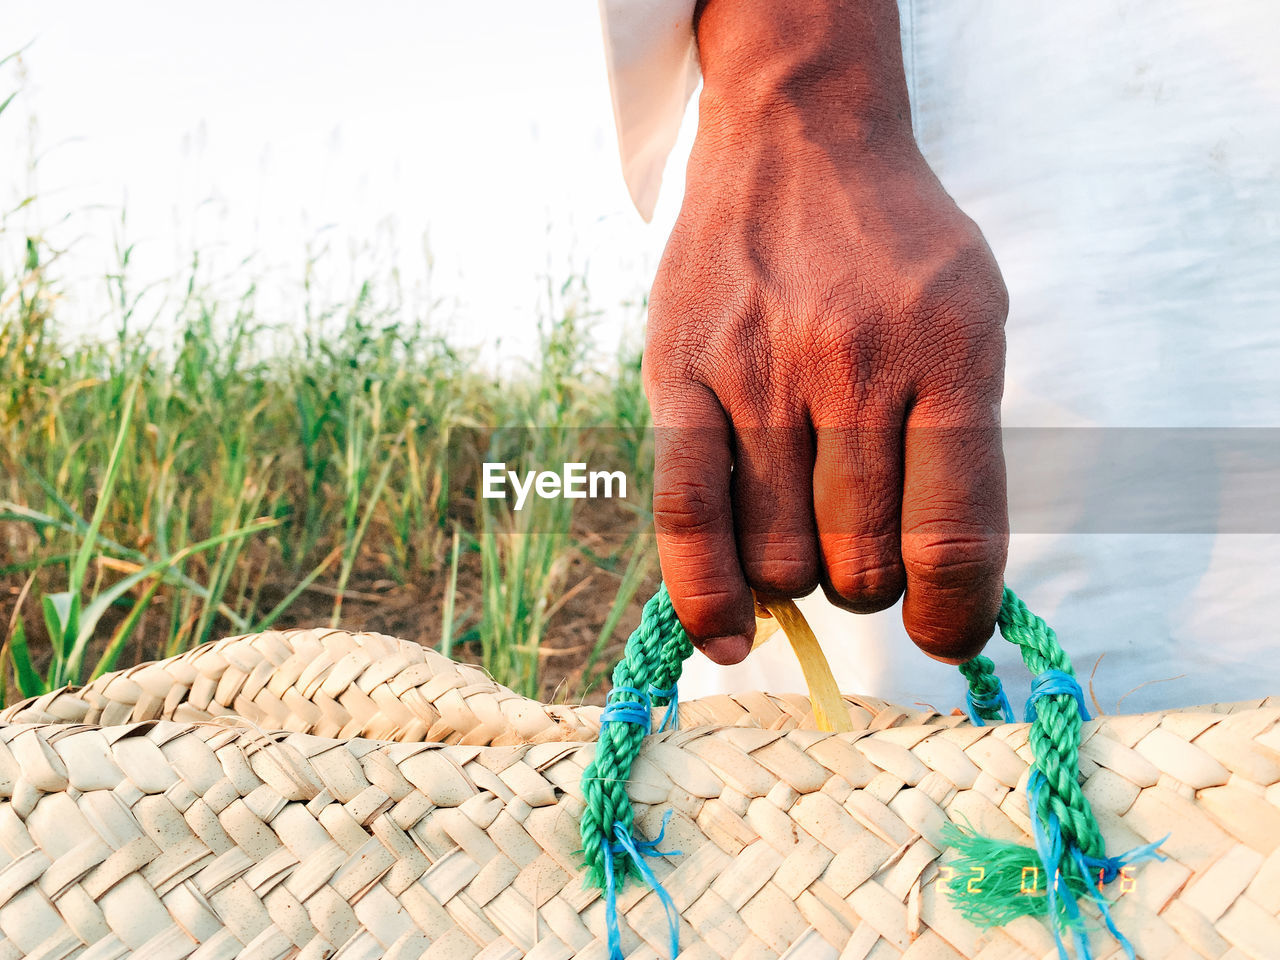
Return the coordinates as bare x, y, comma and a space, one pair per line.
766, 627
829, 709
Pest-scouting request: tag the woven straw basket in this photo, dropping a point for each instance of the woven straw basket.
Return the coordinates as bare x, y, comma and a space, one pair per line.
416, 808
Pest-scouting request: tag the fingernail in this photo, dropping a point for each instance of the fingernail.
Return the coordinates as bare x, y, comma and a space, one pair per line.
726, 650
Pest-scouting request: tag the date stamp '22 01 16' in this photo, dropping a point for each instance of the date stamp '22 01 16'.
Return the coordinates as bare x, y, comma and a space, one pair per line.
1030, 882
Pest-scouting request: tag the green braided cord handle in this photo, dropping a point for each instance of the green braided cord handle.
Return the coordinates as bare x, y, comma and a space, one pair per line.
653, 659
1070, 852
1055, 734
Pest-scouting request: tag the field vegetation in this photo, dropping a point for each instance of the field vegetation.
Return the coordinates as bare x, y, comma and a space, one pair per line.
207, 470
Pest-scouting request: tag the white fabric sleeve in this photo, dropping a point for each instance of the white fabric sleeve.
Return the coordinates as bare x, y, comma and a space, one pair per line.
653, 71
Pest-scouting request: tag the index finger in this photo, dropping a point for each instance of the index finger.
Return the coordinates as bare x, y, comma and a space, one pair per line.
693, 516
954, 525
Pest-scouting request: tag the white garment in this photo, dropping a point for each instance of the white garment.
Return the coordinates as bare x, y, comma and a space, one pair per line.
1123, 161
653, 71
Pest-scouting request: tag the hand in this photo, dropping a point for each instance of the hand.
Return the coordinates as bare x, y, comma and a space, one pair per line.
825, 354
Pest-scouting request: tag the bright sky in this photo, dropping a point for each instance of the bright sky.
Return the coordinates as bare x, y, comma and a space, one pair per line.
245, 127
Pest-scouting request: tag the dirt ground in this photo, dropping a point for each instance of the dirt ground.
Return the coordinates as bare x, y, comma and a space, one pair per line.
412, 611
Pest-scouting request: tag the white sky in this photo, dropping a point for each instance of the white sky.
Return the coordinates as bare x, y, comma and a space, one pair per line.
257, 126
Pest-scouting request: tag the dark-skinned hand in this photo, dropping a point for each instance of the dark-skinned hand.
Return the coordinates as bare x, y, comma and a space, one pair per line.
825, 352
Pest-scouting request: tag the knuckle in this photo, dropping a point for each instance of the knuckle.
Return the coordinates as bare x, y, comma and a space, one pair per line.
962, 288
868, 588
865, 572
702, 321
688, 508
953, 561
688, 497
787, 572
695, 351
669, 364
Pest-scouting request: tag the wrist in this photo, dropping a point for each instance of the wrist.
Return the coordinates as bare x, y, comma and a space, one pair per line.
831, 68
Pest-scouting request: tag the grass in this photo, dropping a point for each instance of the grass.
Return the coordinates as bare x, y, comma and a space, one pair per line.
209, 471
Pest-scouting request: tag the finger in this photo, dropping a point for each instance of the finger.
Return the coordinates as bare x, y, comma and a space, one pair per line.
773, 509
694, 522
857, 492
954, 524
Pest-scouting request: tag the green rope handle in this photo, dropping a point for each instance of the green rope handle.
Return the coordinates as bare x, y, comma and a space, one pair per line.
986, 696
1069, 856
1055, 734
652, 662
1066, 831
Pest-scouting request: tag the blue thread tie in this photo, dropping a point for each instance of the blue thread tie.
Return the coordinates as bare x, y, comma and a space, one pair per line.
1050, 682
671, 717
637, 850
996, 700
638, 711
1110, 866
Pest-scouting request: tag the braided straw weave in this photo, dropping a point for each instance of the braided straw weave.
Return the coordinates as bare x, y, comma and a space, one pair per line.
417, 809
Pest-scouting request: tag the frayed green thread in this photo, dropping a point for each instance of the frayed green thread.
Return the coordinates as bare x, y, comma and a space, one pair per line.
994, 882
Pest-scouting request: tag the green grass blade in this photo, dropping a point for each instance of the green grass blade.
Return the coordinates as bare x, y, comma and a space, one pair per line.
75, 523
80, 565
450, 598
638, 568
14, 512
266, 622
61, 621
30, 683
124, 631
35, 564
99, 605
353, 544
